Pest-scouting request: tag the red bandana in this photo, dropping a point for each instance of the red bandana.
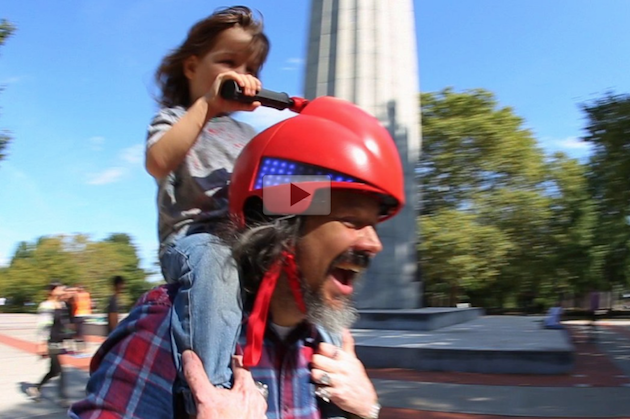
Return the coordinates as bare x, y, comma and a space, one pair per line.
258, 318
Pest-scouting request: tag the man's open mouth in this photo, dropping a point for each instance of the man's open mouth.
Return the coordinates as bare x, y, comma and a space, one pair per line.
345, 273
347, 267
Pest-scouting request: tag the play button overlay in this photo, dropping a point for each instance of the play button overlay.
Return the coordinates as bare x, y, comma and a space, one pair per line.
297, 194
304, 195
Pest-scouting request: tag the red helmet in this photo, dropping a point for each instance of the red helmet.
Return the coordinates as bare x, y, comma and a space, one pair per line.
330, 137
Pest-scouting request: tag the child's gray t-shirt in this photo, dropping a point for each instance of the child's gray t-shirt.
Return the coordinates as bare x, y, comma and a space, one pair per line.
195, 194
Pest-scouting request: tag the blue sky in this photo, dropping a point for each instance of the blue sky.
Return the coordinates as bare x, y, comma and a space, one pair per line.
77, 78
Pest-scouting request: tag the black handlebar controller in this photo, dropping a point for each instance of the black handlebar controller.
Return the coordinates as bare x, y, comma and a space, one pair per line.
230, 90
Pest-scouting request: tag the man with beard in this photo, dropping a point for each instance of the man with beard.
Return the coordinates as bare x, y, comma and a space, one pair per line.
298, 271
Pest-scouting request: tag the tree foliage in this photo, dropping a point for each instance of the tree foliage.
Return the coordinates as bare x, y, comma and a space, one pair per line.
460, 255
501, 224
572, 224
608, 131
470, 147
6, 29
73, 260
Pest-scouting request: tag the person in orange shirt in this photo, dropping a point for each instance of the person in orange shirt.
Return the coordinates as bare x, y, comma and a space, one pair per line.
82, 310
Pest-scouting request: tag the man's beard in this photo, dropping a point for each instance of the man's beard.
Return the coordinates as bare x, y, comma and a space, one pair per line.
334, 320
318, 312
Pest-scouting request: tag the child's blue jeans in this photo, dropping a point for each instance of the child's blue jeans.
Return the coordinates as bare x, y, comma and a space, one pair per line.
207, 310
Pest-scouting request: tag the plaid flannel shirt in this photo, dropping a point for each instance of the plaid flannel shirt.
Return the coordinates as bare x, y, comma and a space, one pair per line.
133, 372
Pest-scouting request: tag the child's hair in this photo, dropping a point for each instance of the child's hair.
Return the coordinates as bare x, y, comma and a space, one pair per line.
201, 38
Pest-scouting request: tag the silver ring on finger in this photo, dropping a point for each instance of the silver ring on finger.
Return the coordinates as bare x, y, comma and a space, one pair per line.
323, 393
263, 388
325, 380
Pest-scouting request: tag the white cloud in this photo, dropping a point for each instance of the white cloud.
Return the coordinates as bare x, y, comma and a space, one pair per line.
293, 64
133, 155
128, 158
97, 142
110, 175
573, 143
11, 80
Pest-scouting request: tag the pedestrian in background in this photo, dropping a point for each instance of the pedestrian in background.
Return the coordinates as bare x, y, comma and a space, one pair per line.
82, 310
52, 328
113, 306
553, 320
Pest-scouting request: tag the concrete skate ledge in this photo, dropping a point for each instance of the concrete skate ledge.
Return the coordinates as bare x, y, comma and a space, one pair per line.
468, 360
489, 344
421, 319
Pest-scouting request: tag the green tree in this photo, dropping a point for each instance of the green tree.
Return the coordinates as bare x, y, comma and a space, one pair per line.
478, 160
23, 251
126, 251
73, 260
461, 257
470, 146
607, 130
495, 213
6, 29
576, 258
522, 215
100, 261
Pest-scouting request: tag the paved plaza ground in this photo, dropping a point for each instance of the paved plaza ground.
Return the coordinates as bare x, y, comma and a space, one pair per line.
599, 386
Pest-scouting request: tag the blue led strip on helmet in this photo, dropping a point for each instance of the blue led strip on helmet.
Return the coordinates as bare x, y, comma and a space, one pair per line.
279, 172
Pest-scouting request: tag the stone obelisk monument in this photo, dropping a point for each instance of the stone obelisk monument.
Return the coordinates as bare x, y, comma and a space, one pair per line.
365, 51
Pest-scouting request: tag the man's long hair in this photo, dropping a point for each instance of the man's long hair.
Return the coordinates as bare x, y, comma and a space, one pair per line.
257, 246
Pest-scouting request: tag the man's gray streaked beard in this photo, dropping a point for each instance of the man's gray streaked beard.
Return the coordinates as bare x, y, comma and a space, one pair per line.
334, 320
